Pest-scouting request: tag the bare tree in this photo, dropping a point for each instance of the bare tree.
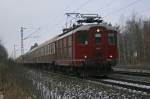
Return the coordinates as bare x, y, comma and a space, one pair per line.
134, 41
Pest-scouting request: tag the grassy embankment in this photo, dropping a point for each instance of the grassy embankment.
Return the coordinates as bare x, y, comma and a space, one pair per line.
9, 86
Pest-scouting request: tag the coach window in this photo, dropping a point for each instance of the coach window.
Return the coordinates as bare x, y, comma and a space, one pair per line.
111, 38
54, 47
50, 48
97, 37
40, 51
44, 50
82, 37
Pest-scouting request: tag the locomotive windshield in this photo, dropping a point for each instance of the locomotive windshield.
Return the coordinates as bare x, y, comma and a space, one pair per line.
82, 37
97, 37
111, 38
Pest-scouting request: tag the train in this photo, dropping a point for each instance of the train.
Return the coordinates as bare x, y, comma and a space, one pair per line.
89, 47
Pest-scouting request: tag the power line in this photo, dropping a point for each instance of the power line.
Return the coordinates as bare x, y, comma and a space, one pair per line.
31, 34
48, 22
143, 11
105, 6
125, 7
88, 1
108, 4
80, 7
57, 16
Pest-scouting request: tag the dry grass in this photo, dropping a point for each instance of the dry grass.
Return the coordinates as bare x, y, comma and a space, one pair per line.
9, 86
14, 92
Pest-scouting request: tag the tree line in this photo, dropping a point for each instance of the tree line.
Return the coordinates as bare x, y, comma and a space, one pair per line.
134, 41
3, 53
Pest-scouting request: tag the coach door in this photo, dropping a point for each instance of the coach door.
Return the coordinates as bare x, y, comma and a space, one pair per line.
98, 44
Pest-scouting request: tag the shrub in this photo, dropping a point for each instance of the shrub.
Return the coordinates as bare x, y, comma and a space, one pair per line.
3, 54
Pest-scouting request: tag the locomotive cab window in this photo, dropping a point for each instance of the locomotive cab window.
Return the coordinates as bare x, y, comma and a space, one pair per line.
82, 38
97, 38
111, 38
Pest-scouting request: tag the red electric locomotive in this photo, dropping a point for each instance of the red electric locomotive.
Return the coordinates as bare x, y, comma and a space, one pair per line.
89, 46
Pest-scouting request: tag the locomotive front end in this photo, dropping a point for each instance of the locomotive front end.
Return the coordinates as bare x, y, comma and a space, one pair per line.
96, 47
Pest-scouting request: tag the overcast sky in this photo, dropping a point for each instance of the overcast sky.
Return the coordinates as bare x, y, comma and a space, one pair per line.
48, 15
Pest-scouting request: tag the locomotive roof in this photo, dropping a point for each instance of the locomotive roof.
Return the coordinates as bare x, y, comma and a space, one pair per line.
82, 27
87, 27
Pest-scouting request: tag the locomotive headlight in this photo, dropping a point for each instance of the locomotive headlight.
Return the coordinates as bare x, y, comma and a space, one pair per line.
98, 30
85, 56
110, 56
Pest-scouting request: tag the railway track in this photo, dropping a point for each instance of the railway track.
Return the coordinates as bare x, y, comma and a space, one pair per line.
118, 79
124, 83
131, 80
127, 84
133, 73
137, 85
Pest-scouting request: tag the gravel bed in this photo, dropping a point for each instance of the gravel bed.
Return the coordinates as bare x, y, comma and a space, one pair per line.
56, 86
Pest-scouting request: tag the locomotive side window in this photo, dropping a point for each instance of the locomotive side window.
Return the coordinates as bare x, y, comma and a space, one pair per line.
82, 37
97, 37
111, 38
